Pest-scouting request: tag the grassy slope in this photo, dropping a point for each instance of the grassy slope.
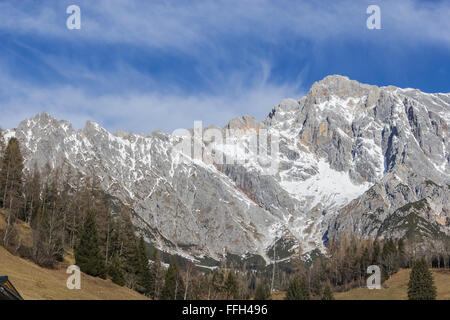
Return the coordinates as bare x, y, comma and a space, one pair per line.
393, 289
36, 283
397, 286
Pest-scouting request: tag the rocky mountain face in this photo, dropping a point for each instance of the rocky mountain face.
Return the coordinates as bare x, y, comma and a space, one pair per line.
347, 157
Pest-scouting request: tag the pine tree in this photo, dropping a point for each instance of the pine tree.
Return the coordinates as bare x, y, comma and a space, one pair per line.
75, 212
11, 176
421, 284
262, 292
401, 252
144, 276
115, 271
127, 248
103, 218
11, 187
173, 284
327, 293
389, 258
317, 277
298, 289
87, 253
376, 257
231, 285
365, 260
32, 194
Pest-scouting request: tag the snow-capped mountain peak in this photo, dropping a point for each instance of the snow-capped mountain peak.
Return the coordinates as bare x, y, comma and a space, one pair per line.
338, 151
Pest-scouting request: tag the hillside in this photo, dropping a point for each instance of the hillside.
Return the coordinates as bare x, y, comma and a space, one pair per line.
396, 288
393, 289
36, 283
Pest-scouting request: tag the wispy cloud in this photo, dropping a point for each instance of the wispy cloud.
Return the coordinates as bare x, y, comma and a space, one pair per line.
187, 25
145, 65
141, 112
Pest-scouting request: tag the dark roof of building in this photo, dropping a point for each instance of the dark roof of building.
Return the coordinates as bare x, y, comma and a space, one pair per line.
8, 291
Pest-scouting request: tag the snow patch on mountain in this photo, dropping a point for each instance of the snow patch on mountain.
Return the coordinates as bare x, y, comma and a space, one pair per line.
327, 186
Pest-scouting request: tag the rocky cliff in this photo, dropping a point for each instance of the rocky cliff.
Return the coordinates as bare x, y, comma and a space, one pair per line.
349, 157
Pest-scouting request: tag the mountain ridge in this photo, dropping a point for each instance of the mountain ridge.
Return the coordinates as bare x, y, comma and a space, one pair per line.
346, 150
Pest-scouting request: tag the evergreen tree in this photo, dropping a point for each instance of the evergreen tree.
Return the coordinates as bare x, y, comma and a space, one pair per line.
115, 271
173, 284
11, 176
144, 281
317, 277
421, 284
298, 289
87, 253
262, 292
376, 257
127, 247
11, 187
365, 260
231, 285
389, 258
401, 252
327, 293
103, 218
32, 194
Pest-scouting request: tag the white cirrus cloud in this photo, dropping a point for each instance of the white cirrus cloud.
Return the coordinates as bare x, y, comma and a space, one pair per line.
190, 25
141, 111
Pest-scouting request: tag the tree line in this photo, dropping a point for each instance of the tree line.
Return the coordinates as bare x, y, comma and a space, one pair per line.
344, 267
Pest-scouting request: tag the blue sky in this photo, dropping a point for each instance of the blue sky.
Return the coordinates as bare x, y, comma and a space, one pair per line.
161, 64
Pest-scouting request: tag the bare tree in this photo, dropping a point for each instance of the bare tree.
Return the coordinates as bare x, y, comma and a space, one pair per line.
189, 270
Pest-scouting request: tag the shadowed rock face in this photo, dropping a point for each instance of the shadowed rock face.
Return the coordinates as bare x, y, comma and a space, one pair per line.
351, 157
